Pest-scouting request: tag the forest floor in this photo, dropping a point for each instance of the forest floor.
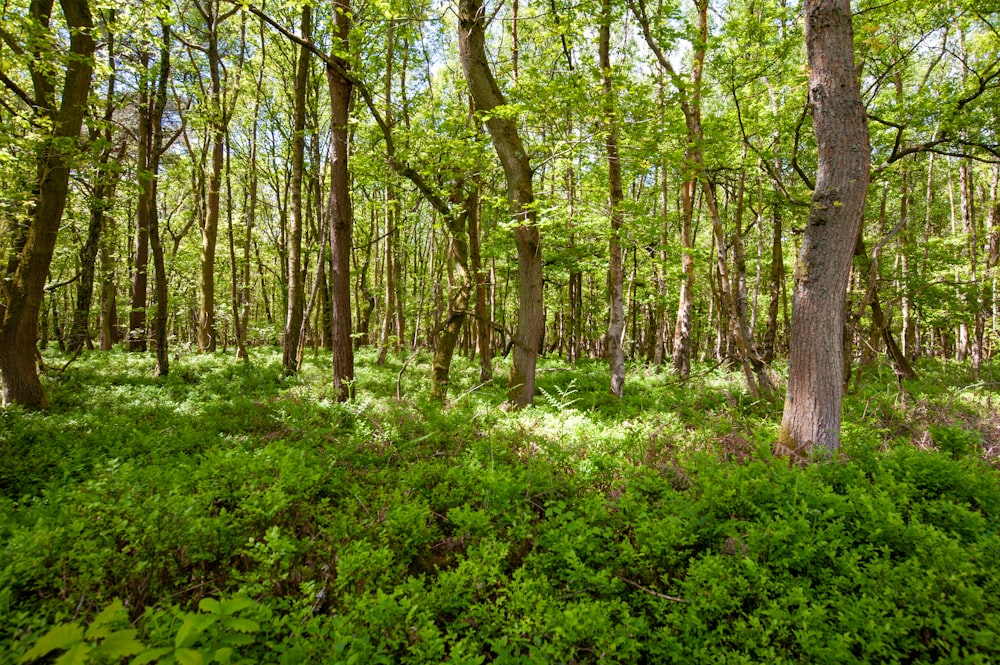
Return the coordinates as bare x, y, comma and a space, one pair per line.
230, 514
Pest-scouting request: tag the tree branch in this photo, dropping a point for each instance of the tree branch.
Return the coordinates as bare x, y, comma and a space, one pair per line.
16, 89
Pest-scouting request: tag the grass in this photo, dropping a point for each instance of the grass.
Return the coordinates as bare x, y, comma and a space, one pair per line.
231, 513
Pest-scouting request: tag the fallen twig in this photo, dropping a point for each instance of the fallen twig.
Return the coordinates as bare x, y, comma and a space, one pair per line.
650, 591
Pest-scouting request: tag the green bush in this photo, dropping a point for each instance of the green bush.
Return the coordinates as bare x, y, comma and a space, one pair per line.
244, 517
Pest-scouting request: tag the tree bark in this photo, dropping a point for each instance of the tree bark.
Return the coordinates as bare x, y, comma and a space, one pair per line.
137, 334
682, 328
339, 209
155, 241
101, 194
459, 292
296, 286
26, 282
616, 272
207, 335
810, 424
520, 195
483, 321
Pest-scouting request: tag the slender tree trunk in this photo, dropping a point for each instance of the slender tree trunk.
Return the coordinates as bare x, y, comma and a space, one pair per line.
296, 286
483, 321
776, 283
992, 252
811, 419
156, 244
207, 335
616, 272
109, 305
459, 291
685, 306
137, 334
389, 274
26, 282
102, 192
520, 194
341, 215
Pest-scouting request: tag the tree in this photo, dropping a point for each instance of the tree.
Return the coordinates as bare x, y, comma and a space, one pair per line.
25, 283
211, 12
341, 87
616, 277
810, 423
156, 150
106, 175
490, 102
296, 281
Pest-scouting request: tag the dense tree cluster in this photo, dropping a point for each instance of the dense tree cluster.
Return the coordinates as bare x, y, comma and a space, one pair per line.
627, 180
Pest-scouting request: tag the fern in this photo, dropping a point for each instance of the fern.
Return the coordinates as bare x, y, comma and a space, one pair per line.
564, 399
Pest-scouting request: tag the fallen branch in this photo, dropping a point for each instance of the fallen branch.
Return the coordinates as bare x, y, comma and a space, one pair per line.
650, 591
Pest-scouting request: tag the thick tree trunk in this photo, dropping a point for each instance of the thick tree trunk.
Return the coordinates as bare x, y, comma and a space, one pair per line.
520, 194
616, 272
341, 215
26, 283
296, 286
811, 420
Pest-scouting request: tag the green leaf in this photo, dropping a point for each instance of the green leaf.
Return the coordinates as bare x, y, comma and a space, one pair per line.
241, 625
235, 605
210, 605
191, 629
189, 657
150, 655
223, 655
119, 644
77, 655
101, 626
62, 636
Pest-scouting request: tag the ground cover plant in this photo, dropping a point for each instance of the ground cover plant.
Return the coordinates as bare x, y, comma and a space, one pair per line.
228, 513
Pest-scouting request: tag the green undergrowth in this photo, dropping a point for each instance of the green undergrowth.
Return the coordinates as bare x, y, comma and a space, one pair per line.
230, 514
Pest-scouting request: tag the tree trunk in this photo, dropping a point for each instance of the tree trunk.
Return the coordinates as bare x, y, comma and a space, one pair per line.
811, 419
109, 304
776, 283
26, 282
459, 291
155, 241
137, 334
207, 335
483, 321
520, 194
389, 274
102, 193
296, 287
341, 215
616, 272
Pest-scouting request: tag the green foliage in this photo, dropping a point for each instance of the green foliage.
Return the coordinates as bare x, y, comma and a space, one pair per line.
243, 517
